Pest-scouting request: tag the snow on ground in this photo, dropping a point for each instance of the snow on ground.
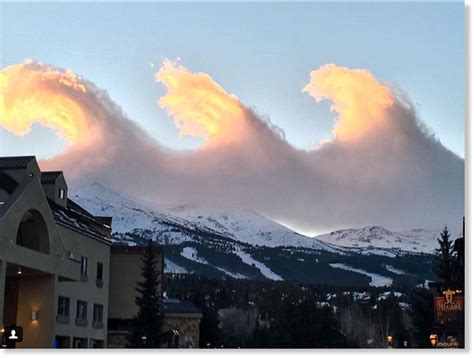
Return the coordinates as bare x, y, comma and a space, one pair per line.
360, 296
246, 258
395, 270
403, 305
171, 267
376, 279
323, 304
385, 295
424, 284
378, 251
190, 253
231, 274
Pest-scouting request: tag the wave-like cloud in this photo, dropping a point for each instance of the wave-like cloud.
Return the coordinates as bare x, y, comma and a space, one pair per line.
199, 105
381, 167
357, 96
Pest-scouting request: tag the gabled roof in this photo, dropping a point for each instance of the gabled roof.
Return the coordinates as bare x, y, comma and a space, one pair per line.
50, 177
78, 219
172, 305
15, 162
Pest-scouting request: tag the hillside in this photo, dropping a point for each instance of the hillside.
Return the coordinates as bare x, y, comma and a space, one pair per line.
243, 244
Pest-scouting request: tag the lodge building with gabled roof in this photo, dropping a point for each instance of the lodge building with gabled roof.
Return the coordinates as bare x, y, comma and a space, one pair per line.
54, 257
61, 280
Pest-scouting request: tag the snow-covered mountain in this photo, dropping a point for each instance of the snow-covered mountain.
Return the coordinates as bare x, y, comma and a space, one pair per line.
240, 225
243, 226
243, 244
417, 240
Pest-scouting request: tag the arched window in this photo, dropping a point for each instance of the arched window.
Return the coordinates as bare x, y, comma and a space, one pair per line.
33, 232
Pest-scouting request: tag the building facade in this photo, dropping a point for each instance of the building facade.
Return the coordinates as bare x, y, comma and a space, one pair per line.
184, 318
54, 260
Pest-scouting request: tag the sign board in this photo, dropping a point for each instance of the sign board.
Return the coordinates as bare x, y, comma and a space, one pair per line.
448, 307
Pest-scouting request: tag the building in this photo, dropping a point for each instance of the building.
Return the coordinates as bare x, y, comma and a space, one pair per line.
61, 279
54, 260
182, 319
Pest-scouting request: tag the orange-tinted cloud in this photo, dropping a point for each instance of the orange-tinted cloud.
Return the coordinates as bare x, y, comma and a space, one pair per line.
74, 108
31, 93
359, 99
199, 106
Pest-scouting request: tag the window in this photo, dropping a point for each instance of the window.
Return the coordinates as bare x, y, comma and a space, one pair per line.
98, 313
81, 310
79, 342
63, 306
99, 282
100, 271
61, 194
84, 266
97, 322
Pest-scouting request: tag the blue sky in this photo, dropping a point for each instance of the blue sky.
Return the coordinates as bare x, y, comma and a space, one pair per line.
263, 53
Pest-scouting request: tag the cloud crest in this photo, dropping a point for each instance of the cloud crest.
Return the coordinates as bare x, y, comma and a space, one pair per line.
198, 104
357, 96
32, 93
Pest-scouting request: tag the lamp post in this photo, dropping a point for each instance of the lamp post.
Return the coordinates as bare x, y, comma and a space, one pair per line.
389, 341
433, 340
144, 341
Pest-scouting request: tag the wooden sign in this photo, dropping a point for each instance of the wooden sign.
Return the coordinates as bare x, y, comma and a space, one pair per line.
448, 307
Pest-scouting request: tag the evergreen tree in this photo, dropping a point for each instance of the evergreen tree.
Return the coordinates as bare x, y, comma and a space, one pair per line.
443, 264
209, 333
147, 329
422, 315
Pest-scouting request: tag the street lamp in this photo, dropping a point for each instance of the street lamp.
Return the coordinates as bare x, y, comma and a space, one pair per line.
389, 341
433, 339
144, 341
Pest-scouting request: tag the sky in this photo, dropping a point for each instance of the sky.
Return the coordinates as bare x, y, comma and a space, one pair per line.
319, 116
262, 53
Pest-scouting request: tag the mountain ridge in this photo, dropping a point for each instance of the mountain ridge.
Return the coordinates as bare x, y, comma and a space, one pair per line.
244, 244
129, 214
